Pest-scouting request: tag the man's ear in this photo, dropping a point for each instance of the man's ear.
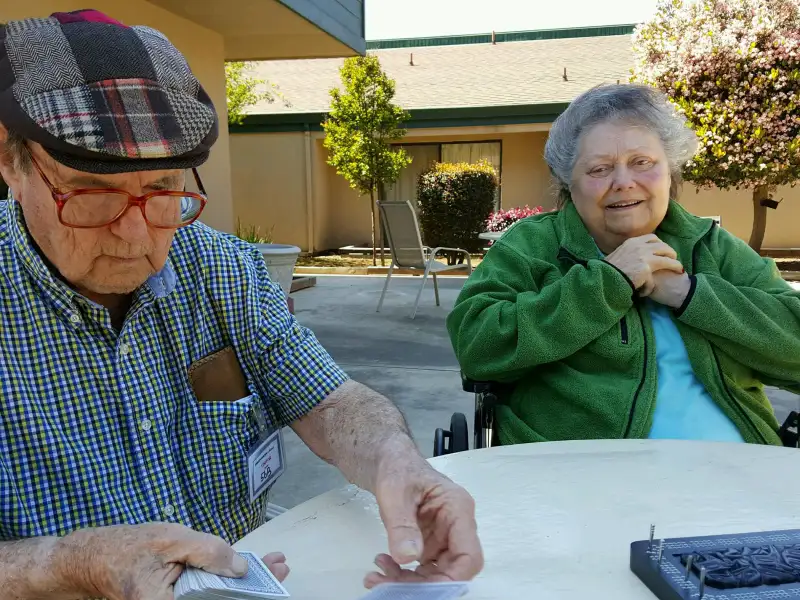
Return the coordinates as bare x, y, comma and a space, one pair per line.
8, 169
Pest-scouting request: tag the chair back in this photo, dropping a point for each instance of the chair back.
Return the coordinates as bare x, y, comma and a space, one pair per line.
403, 234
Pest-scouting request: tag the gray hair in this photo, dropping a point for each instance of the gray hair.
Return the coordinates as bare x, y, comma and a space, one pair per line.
14, 148
628, 103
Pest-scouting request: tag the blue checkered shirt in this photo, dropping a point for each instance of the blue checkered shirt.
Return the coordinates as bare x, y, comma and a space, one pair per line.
99, 427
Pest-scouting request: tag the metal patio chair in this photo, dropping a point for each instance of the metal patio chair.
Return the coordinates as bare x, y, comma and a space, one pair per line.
408, 251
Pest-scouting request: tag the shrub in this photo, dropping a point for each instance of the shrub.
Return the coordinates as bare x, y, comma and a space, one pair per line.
455, 199
503, 219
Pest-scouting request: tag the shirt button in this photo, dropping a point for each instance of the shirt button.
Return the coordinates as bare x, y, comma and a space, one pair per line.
75, 319
124, 349
169, 510
146, 424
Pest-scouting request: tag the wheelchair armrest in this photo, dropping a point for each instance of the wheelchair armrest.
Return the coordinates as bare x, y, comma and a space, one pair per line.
790, 431
484, 387
476, 387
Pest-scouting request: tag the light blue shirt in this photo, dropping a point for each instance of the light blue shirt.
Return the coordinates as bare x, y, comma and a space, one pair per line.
684, 409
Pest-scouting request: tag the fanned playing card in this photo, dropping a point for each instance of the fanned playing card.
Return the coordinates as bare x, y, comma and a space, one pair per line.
417, 591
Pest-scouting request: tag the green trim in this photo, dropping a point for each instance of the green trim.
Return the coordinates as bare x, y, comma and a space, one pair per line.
310, 11
425, 118
513, 36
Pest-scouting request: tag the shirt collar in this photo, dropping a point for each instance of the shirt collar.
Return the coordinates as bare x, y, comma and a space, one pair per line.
160, 284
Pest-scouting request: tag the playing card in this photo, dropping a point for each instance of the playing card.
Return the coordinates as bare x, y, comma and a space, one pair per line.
417, 591
259, 582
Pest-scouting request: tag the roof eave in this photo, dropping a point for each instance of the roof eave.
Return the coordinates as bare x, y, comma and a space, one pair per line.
421, 118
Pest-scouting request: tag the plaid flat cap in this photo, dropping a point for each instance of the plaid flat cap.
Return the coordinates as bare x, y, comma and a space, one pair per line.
102, 97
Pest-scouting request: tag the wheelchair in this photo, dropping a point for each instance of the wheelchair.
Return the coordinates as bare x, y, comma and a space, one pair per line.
489, 394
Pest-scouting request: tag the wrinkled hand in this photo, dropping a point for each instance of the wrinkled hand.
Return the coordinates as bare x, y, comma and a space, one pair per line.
670, 289
640, 257
430, 520
145, 561
276, 563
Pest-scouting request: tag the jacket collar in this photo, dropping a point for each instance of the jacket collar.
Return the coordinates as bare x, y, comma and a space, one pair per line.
680, 229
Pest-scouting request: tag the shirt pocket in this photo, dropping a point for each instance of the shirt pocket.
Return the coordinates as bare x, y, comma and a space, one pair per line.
221, 434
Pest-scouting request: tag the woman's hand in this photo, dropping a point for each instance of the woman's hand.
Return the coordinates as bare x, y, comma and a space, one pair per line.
670, 288
641, 257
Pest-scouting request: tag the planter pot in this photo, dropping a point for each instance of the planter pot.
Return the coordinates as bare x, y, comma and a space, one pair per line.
280, 259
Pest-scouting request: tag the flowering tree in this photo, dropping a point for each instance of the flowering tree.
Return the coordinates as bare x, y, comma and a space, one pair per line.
732, 67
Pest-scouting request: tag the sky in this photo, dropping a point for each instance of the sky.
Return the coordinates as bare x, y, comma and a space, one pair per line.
388, 19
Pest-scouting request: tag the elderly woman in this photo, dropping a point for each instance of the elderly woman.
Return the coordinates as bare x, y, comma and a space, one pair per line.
621, 315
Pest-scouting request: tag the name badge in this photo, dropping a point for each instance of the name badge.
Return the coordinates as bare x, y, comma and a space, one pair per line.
265, 463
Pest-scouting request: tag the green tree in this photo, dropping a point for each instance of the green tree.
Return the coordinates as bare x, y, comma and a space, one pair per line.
732, 67
242, 90
360, 127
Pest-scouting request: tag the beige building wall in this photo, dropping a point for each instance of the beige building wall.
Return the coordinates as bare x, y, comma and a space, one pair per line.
736, 210
203, 49
277, 162
269, 184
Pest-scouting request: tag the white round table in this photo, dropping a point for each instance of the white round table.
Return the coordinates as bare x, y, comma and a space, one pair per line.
556, 520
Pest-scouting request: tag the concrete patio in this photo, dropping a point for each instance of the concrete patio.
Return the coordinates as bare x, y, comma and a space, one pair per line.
411, 362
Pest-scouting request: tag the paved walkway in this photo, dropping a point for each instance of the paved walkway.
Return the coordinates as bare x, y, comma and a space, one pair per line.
411, 362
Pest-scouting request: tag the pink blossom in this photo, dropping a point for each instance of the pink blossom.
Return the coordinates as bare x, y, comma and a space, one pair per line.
732, 68
503, 219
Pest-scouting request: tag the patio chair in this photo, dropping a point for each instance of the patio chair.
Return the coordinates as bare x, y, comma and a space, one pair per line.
408, 251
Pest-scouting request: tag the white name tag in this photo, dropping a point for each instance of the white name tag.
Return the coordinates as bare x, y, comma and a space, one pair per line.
265, 463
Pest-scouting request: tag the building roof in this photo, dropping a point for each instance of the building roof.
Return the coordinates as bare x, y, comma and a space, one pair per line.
467, 71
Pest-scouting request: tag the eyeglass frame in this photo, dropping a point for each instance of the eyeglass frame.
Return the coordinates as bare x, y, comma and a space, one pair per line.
61, 198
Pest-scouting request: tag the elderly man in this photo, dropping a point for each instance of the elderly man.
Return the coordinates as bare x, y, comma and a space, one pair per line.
147, 363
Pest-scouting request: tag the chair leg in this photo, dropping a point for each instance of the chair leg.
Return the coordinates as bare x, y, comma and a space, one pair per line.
436, 288
385, 286
421, 287
469, 265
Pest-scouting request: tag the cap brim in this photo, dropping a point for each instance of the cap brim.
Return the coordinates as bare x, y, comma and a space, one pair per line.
105, 166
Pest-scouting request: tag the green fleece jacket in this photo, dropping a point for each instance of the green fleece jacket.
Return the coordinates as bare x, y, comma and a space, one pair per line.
546, 314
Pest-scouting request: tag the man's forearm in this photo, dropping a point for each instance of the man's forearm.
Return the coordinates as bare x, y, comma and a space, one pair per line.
36, 568
359, 431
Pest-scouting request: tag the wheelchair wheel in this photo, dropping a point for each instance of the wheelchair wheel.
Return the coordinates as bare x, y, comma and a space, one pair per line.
459, 440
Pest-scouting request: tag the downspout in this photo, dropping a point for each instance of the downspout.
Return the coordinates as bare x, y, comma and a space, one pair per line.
309, 193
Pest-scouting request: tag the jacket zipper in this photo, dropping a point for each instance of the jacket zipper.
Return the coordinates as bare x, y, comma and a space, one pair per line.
644, 377
564, 253
721, 375
738, 408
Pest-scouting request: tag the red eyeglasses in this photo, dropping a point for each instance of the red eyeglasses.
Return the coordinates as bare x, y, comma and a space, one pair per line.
90, 208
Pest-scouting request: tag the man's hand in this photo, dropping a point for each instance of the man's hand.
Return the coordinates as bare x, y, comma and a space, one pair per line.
428, 517
430, 520
276, 563
143, 561
670, 288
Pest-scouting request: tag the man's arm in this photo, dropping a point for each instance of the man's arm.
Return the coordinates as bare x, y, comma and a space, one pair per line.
359, 431
119, 562
37, 568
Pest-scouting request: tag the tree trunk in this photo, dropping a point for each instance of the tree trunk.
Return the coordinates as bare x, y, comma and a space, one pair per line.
760, 193
372, 214
381, 230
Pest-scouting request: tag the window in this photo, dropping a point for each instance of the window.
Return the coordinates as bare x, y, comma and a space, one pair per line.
424, 155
